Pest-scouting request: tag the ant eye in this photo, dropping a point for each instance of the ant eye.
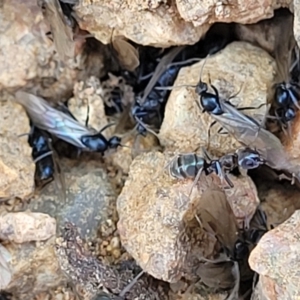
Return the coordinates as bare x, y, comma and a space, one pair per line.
249, 164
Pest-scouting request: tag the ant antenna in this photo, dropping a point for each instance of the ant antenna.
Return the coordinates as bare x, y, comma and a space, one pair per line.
131, 284
202, 68
140, 122
87, 115
170, 88
106, 126
42, 156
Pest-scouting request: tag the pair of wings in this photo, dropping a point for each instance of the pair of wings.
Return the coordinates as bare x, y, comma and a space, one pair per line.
57, 123
251, 134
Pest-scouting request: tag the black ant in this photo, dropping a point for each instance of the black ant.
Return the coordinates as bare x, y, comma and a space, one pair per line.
192, 165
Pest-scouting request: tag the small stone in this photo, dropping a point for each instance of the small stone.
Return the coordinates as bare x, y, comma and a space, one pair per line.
240, 69
158, 28
157, 222
26, 227
275, 257
16, 165
116, 253
88, 201
115, 242
34, 269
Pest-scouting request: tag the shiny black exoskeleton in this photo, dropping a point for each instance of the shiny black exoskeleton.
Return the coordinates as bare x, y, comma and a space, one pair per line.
98, 143
210, 102
189, 165
150, 112
95, 142
286, 99
44, 167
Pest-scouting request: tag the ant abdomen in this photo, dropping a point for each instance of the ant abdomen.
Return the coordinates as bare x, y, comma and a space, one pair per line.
186, 166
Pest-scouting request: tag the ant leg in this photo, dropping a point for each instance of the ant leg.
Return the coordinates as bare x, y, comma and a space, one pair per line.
208, 134
215, 90
195, 181
220, 131
294, 99
234, 95
87, 116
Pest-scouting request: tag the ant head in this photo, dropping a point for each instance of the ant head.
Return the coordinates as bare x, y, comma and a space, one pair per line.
201, 87
282, 95
250, 159
289, 114
114, 142
241, 250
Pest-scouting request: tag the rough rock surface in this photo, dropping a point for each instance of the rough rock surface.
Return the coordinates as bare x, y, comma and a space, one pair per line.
266, 289
87, 100
236, 69
90, 274
275, 257
279, 200
157, 223
165, 24
27, 54
26, 227
16, 165
189, 296
292, 143
134, 146
34, 268
296, 11
244, 12
140, 21
89, 197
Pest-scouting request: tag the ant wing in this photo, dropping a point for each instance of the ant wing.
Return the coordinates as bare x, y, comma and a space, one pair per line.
61, 32
284, 45
250, 134
258, 226
160, 69
127, 54
216, 213
5, 272
217, 275
59, 178
47, 118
